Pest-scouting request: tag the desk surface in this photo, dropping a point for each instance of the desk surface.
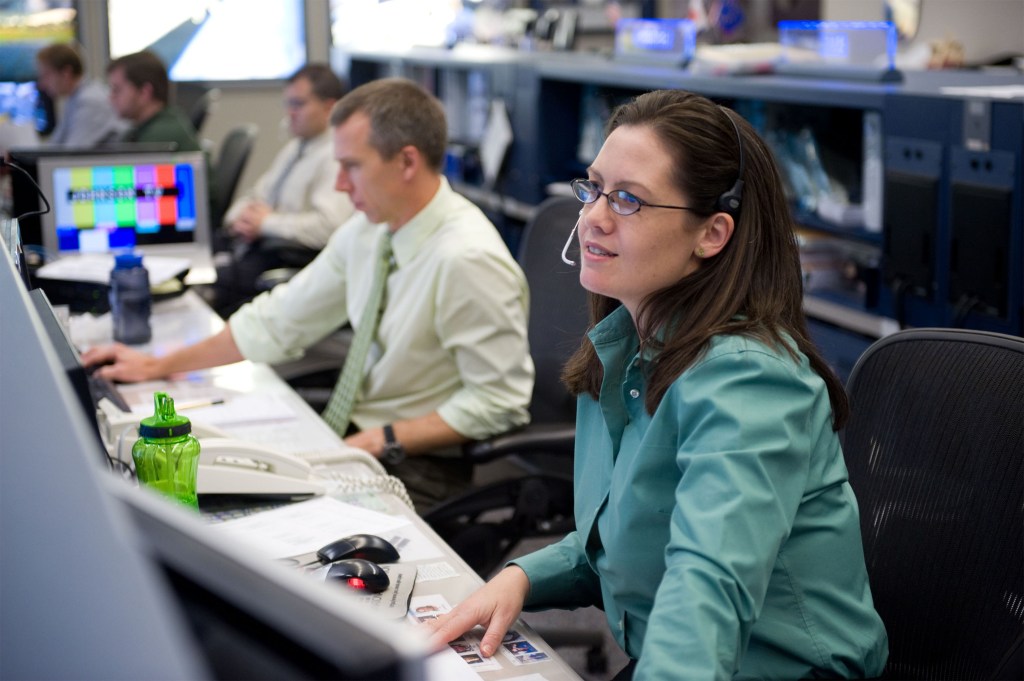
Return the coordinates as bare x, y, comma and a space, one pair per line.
186, 320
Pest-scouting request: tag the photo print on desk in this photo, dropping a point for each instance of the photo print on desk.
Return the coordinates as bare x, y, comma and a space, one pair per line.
521, 650
516, 648
467, 647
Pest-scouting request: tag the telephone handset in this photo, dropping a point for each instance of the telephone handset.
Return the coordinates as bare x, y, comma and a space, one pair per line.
230, 466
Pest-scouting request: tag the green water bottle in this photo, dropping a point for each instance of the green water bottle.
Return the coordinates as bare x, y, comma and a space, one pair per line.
166, 455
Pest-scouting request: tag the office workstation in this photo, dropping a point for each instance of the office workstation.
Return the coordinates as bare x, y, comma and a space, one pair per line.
903, 183
300, 630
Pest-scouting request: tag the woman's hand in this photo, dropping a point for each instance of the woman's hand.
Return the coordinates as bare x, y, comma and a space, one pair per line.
495, 606
122, 363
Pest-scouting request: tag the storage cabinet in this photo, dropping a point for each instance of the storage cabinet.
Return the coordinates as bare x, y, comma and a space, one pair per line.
935, 235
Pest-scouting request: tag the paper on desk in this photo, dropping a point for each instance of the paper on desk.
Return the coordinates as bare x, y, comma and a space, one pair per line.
412, 544
446, 664
237, 409
95, 268
295, 436
306, 526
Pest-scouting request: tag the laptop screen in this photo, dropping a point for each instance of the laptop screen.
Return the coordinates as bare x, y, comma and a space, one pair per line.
153, 202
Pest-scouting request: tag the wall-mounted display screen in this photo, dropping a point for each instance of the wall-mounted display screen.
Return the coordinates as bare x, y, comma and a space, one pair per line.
26, 26
213, 40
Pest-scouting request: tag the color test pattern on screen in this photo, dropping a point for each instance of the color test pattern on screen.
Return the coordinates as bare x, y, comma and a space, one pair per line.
102, 208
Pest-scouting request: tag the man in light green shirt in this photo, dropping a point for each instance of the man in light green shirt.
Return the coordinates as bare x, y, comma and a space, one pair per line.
450, 360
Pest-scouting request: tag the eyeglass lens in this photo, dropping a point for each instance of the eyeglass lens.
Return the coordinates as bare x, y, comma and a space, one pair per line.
622, 202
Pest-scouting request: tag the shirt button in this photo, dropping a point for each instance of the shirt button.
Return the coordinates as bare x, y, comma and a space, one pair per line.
634, 393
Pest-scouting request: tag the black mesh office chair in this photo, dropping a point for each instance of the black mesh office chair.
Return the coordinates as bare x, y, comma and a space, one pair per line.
935, 448
227, 170
539, 500
203, 107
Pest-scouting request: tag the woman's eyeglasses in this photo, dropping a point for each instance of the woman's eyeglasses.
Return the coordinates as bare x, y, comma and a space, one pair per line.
621, 201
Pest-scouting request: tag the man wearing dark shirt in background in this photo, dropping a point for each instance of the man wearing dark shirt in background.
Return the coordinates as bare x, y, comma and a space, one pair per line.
139, 93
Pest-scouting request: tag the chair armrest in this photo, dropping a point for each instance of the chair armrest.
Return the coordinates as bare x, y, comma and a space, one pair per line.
271, 278
543, 438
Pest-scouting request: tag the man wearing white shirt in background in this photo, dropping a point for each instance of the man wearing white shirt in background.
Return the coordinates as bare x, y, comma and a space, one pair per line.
450, 360
287, 217
86, 118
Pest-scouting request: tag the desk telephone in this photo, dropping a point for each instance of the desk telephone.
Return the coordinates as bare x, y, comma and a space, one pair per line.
233, 466
230, 466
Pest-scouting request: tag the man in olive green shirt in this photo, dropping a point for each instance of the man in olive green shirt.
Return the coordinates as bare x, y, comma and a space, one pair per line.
139, 92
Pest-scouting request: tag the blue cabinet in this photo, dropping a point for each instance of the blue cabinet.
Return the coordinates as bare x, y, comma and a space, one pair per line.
938, 171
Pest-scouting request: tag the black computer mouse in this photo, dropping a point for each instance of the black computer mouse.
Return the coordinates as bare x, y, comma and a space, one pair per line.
359, 574
365, 546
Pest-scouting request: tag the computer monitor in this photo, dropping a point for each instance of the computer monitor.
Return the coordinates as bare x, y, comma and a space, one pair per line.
18, 102
25, 194
254, 618
103, 580
155, 203
67, 355
10, 234
81, 601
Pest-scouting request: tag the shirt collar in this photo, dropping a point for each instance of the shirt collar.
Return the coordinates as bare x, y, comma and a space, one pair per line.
411, 236
618, 328
324, 137
614, 328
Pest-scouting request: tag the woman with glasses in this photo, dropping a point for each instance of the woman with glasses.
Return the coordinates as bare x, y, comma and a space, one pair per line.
714, 521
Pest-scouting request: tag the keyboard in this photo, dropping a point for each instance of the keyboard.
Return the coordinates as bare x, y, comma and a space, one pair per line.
103, 387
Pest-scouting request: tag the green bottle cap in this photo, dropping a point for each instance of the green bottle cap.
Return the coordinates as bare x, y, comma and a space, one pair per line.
164, 422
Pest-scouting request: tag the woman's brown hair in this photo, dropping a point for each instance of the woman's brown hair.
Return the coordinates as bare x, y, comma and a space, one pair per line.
752, 287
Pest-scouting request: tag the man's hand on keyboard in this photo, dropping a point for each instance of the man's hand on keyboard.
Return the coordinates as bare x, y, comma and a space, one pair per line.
119, 362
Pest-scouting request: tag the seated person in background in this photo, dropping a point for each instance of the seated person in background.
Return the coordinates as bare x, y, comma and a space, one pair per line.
140, 93
287, 217
715, 524
449, 360
86, 117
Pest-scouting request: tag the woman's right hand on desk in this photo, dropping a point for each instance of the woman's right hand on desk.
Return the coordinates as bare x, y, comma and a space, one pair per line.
119, 362
495, 606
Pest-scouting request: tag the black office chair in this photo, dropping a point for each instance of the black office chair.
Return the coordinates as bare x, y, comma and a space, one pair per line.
935, 449
540, 500
202, 107
227, 170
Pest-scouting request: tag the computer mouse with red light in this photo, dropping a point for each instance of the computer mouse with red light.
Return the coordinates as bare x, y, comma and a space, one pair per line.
365, 546
359, 575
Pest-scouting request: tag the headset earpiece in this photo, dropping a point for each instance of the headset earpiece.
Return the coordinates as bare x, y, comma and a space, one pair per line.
731, 200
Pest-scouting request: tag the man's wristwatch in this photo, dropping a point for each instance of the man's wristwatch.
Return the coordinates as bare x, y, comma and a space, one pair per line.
394, 452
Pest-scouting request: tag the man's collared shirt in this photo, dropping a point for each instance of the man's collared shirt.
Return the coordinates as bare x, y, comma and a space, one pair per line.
452, 337
308, 209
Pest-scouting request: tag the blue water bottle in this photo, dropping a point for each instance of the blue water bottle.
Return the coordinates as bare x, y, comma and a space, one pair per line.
130, 300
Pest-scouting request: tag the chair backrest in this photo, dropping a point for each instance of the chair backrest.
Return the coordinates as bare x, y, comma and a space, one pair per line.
558, 306
200, 110
935, 449
227, 171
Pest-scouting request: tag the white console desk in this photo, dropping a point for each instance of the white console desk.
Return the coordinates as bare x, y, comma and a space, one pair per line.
186, 319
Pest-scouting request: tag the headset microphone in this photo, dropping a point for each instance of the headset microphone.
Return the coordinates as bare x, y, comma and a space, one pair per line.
568, 242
